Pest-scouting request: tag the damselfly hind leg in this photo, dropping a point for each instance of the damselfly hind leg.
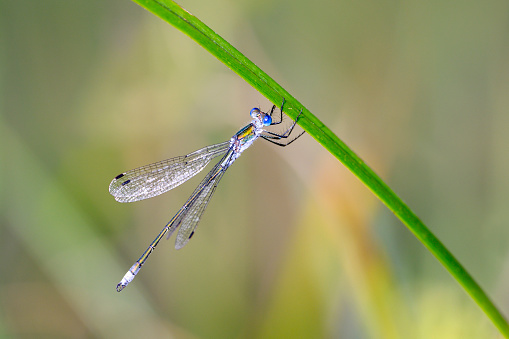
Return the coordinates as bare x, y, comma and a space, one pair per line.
270, 136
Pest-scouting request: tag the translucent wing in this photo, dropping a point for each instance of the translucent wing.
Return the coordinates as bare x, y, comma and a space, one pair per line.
197, 203
157, 178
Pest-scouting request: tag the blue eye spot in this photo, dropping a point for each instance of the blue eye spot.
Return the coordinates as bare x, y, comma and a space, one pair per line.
267, 120
254, 112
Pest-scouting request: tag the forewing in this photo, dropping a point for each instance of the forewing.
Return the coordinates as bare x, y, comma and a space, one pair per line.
157, 178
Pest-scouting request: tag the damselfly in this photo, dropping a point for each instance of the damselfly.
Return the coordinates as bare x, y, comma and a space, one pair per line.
154, 179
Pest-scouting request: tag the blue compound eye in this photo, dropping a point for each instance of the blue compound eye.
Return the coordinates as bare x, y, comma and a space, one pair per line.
267, 120
254, 112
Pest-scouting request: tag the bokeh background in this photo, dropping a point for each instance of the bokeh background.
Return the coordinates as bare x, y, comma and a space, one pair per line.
292, 244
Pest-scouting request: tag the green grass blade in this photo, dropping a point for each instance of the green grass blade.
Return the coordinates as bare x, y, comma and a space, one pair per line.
221, 49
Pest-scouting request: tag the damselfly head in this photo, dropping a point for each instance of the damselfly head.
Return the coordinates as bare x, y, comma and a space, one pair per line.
255, 113
262, 117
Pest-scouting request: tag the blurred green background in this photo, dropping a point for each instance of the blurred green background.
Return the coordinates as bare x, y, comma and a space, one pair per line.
292, 245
